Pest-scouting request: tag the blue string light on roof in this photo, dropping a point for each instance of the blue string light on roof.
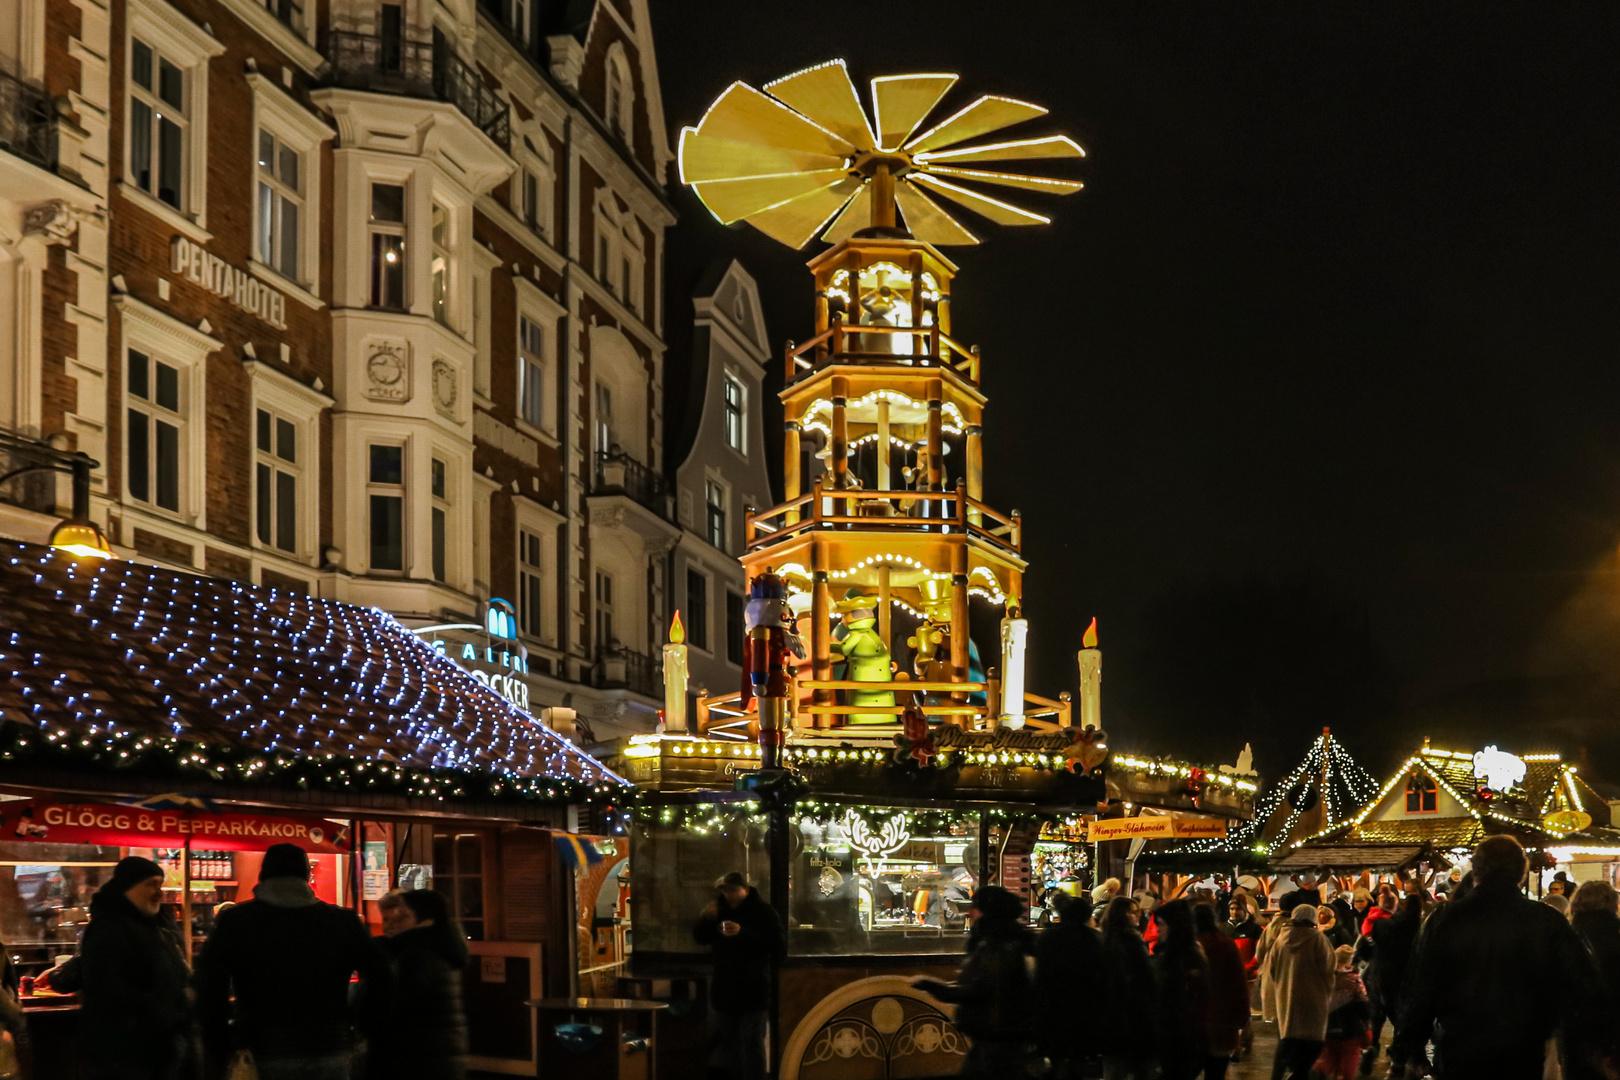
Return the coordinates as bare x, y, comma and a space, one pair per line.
362, 687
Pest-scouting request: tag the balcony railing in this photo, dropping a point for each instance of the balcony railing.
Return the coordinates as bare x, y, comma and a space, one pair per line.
27, 122
617, 473
395, 65
621, 668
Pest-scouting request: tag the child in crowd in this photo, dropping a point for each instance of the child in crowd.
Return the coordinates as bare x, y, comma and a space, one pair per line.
1349, 1030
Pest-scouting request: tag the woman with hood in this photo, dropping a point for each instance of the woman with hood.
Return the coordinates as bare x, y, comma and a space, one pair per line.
1181, 978
1126, 1039
425, 1036
1593, 913
1227, 1018
1301, 971
135, 1017
993, 992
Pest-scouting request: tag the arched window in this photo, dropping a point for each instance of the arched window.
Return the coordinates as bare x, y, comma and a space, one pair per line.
1421, 796
620, 104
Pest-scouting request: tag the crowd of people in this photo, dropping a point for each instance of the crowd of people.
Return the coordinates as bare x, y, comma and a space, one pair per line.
1473, 978
274, 991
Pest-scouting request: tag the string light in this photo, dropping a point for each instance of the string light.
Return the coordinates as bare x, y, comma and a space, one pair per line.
222, 680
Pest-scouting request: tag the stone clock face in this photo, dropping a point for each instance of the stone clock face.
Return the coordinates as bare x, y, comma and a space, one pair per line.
386, 368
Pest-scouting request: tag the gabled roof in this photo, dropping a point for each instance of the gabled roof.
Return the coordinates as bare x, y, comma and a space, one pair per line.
113, 656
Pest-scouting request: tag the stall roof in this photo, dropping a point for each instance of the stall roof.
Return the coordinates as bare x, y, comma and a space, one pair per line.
120, 661
1359, 856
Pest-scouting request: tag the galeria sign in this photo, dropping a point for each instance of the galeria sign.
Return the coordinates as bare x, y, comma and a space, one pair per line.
1155, 828
203, 267
134, 826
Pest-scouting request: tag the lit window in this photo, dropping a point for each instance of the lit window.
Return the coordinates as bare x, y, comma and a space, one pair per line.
604, 611
1421, 796
281, 203
736, 428
531, 580
276, 481
440, 516
532, 371
715, 498
604, 419
388, 246
154, 421
697, 609
441, 264
157, 124
386, 491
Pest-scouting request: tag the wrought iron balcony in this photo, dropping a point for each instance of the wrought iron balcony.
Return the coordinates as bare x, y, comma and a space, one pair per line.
396, 65
617, 473
27, 122
621, 668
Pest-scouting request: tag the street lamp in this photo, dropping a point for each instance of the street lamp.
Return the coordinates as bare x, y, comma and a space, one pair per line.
75, 534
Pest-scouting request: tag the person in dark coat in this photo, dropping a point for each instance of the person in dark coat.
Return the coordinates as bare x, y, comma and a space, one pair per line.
425, 1034
993, 993
1594, 917
1068, 962
1346, 920
1226, 1016
1126, 998
746, 937
1181, 983
1483, 970
288, 957
134, 1019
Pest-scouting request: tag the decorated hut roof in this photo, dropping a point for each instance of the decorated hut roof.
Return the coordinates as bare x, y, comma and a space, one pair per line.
131, 666
1443, 801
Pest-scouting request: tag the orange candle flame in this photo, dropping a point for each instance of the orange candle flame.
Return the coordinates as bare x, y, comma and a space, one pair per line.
677, 632
1090, 639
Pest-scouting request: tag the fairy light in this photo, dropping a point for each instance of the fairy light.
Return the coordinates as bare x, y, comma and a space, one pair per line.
278, 687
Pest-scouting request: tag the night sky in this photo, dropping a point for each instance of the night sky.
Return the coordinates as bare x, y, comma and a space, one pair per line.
1311, 396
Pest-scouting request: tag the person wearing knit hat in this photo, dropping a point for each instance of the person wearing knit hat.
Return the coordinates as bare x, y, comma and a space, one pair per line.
993, 991
1300, 968
134, 1018
288, 956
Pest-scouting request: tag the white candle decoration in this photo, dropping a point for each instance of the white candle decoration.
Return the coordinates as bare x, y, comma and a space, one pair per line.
675, 676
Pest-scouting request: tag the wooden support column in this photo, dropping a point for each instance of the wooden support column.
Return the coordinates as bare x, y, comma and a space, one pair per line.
791, 480
959, 611
820, 630
838, 455
936, 434
884, 607
917, 339
885, 482
975, 469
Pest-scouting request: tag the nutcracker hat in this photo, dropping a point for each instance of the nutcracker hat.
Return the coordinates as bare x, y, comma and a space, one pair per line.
767, 586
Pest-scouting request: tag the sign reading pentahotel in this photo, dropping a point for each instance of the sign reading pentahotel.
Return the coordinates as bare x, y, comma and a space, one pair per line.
224, 280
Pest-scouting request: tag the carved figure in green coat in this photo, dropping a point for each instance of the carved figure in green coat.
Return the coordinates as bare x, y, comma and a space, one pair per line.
868, 659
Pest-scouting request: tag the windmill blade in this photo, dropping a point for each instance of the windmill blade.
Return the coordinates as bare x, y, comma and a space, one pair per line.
1047, 184
901, 102
796, 222
989, 113
1052, 146
1000, 212
733, 200
702, 157
926, 221
857, 214
743, 114
825, 94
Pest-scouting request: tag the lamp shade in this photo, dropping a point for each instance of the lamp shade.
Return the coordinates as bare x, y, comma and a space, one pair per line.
82, 538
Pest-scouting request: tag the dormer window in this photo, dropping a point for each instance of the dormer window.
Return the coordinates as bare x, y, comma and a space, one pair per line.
1421, 796
620, 104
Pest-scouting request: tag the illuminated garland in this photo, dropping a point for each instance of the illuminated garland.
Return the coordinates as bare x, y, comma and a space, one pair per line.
177, 759
1348, 787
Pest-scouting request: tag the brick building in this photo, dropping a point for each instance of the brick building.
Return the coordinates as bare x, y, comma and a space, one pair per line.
360, 299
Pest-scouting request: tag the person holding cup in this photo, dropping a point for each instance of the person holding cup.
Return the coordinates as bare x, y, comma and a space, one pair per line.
746, 937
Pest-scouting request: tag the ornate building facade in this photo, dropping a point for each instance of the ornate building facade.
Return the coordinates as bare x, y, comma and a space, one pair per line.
360, 299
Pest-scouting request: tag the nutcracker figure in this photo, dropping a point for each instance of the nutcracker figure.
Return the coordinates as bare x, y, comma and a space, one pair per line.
772, 635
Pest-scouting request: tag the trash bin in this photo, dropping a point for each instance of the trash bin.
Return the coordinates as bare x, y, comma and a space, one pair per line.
598, 1038
683, 1031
